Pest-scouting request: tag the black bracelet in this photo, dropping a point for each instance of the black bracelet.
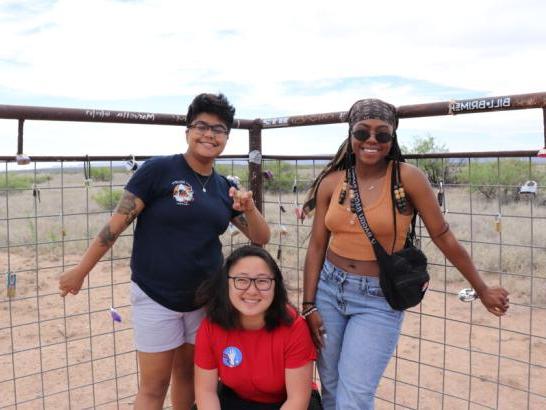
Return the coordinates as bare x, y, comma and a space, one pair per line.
308, 303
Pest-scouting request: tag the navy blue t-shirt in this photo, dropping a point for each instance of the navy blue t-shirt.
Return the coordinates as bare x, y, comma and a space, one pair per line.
176, 241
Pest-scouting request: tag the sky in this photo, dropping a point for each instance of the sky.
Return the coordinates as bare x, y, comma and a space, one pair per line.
271, 59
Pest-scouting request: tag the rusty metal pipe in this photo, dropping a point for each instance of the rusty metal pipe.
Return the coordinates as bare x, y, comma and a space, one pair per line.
484, 154
544, 124
255, 176
454, 107
94, 115
20, 137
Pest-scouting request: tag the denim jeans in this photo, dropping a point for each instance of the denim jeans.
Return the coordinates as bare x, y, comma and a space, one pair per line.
362, 332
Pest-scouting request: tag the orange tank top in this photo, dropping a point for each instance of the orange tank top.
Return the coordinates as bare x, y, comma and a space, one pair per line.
347, 237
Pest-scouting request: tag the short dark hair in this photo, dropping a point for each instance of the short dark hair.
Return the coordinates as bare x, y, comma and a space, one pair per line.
214, 293
211, 104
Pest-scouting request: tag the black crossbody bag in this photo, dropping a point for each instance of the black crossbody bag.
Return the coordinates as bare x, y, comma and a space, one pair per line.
403, 275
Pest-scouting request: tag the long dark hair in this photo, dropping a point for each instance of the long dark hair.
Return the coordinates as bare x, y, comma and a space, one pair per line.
214, 293
343, 160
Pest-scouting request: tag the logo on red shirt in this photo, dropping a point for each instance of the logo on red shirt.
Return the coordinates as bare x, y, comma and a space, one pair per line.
232, 357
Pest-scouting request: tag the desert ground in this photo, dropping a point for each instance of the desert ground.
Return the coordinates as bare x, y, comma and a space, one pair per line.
68, 353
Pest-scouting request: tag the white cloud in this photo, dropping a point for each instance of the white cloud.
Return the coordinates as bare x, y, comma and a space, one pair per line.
106, 50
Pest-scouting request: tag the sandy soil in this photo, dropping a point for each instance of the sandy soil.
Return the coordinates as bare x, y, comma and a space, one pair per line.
73, 355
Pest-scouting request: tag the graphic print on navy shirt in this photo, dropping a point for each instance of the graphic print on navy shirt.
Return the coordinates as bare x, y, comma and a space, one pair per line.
182, 192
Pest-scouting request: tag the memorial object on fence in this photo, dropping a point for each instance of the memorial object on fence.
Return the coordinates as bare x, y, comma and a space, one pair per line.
116, 317
441, 194
498, 222
542, 153
36, 192
232, 229
300, 215
63, 231
87, 172
283, 230
281, 207
467, 295
22, 159
11, 282
235, 180
131, 165
268, 174
529, 188
255, 157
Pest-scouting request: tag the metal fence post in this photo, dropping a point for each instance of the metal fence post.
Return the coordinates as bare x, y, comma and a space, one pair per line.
255, 176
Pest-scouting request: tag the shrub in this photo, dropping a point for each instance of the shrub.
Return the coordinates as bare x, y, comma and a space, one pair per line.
21, 181
493, 179
436, 169
238, 170
101, 174
284, 175
107, 199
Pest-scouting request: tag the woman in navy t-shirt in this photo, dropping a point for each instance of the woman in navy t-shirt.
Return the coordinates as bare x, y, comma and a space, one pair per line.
183, 206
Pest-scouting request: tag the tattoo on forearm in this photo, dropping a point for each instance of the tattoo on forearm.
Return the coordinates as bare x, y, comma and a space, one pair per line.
107, 237
127, 207
243, 221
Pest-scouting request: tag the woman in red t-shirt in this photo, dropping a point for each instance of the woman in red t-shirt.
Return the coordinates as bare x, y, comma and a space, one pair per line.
252, 340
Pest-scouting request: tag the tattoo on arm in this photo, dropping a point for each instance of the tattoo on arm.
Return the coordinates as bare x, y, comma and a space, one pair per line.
127, 207
107, 237
243, 221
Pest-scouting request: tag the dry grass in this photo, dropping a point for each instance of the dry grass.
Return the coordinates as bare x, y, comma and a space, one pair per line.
452, 350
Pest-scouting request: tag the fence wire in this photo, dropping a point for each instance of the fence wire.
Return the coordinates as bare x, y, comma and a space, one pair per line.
69, 353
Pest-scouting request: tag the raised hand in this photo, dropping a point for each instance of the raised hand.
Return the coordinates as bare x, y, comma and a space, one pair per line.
242, 200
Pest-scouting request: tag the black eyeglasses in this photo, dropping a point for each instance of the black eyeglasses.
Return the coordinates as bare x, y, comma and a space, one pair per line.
243, 283
202, 127
381, 136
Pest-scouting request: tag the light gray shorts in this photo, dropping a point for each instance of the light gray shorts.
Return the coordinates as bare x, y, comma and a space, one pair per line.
158, 329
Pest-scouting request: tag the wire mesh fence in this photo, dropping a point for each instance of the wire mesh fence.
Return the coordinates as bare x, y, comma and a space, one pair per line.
69, 353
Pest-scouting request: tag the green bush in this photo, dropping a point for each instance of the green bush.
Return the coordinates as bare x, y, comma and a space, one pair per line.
437, 169
238, 170
101, 174
21, 181
499, 179
108, 199
284, 175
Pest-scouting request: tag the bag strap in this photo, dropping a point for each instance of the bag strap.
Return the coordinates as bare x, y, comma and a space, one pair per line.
359, 211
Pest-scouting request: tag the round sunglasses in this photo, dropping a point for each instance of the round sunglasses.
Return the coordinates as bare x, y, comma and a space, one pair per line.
381, 136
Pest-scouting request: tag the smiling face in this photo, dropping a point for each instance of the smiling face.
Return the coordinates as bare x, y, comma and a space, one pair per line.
251, 303
371, 151
206, 144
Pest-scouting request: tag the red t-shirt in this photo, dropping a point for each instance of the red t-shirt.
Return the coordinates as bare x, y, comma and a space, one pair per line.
252, 362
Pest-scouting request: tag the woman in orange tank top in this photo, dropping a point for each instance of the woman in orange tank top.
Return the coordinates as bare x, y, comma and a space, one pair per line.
350, 320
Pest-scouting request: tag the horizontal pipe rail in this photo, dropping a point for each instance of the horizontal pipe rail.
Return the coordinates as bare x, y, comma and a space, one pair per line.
244, 157
96, 115
453, 107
